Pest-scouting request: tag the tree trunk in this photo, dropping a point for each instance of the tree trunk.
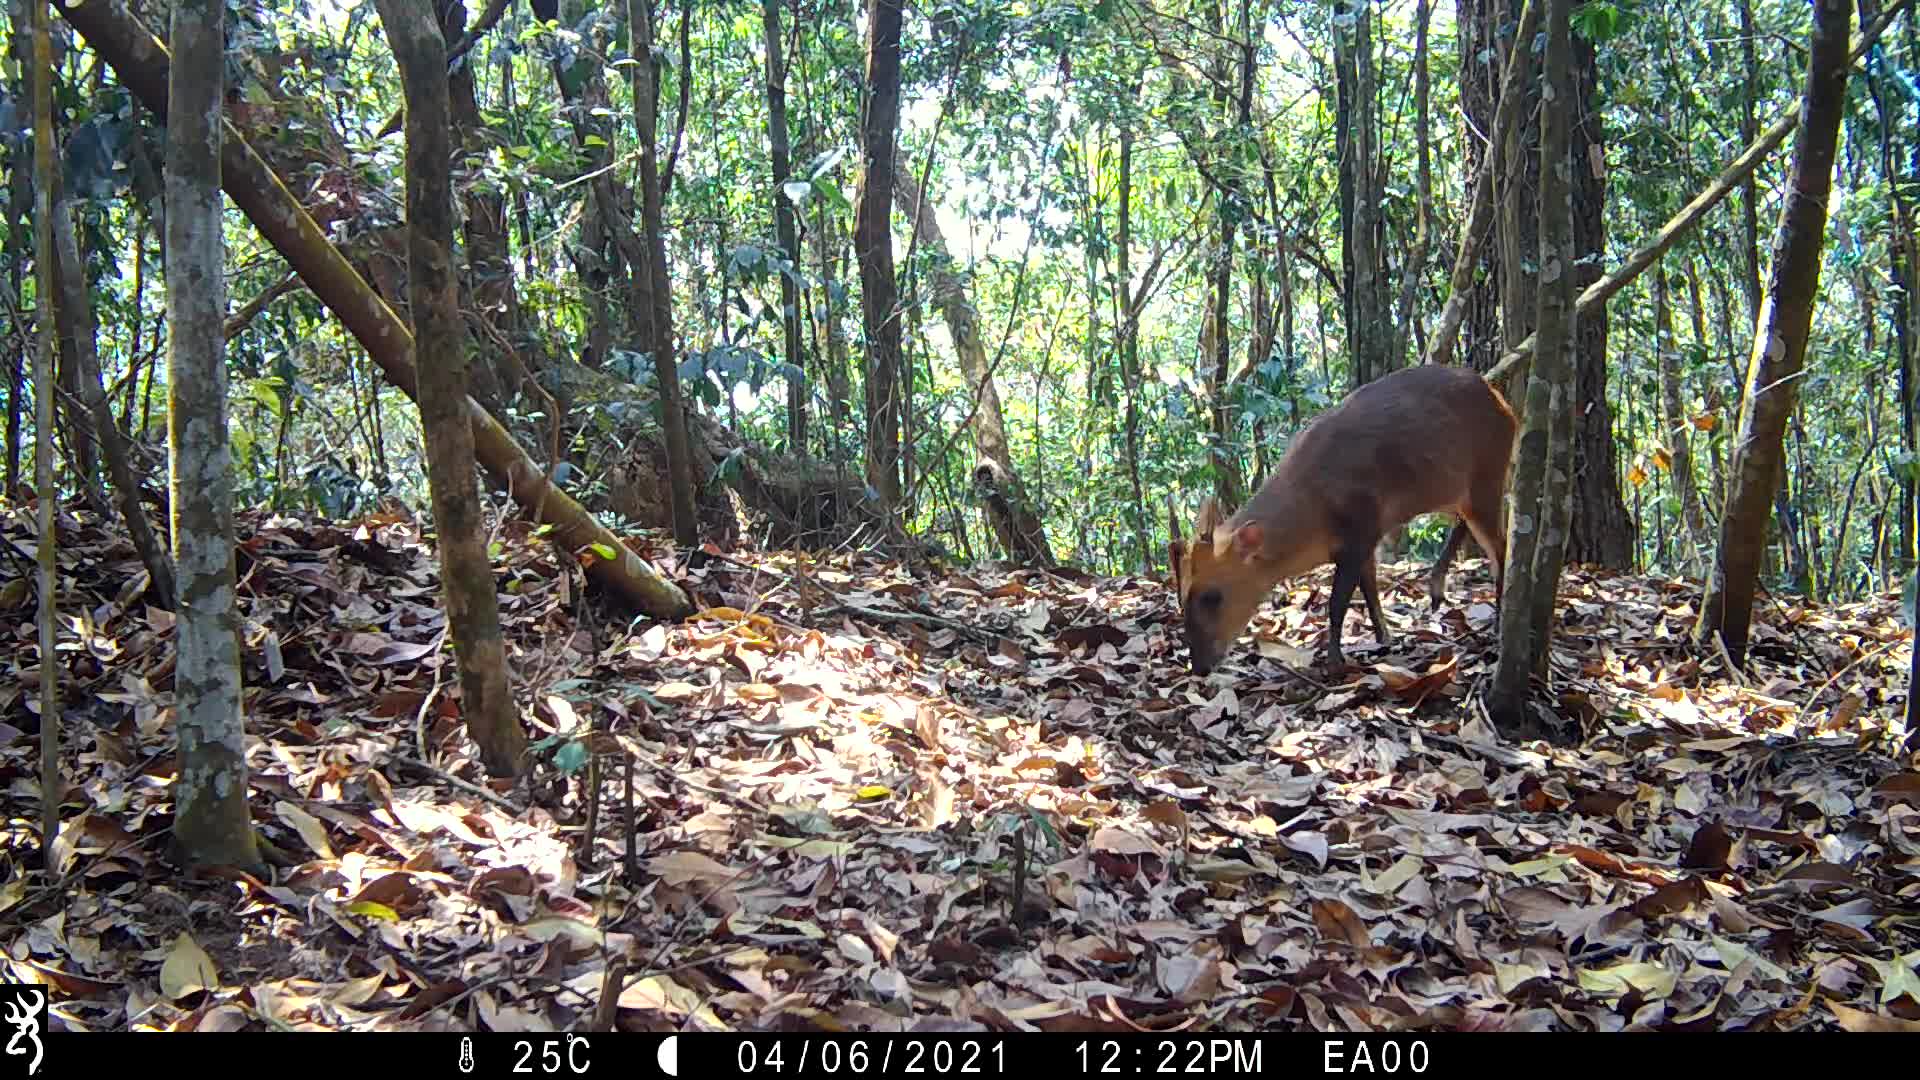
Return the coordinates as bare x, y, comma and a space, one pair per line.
836, 361
1013, 518
1489, 108
1715, 493
1219, 347
1913, 701
1369, 318
70, 264
85, 463
19, 246
1904, 268
1596, 295
1542, 489
1749, 188
1127, 327
498, 341
873, 248
783, 226
583, 88
1601, 533
1517, 198
46, 494
1780, 341
659, 285
1415, 267
473, 609
211, 823
1680, 456
143, 66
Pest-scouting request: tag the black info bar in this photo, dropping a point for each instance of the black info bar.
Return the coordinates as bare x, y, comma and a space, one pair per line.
288, 1055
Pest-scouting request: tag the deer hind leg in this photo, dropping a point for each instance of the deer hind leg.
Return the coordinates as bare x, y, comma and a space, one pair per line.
1347, 572
1482, 515
1437, 577
1370, 588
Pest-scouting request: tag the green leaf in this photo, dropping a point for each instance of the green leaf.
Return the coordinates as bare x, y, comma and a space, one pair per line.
830, 191
373, 910
572, 757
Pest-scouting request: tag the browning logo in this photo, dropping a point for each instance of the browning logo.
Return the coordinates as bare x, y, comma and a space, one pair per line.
24, 1011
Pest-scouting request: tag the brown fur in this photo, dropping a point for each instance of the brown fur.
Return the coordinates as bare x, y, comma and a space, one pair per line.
1422, 440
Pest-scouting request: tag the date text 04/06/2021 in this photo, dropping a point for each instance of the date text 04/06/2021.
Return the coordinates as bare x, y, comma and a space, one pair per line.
1108, 1056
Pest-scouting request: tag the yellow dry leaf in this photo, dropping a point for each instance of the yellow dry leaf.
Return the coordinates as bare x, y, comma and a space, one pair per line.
187, 969
1116, 841
311, 831
1649, 980
675, 690
680, 867
1860, 1020
558, 926
358, 991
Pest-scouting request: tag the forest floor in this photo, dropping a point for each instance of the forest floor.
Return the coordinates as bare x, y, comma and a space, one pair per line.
842, 768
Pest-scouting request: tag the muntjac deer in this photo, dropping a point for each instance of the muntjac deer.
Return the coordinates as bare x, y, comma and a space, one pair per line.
1421, 440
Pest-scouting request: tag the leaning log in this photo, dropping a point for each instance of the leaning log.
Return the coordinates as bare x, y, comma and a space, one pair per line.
141, 62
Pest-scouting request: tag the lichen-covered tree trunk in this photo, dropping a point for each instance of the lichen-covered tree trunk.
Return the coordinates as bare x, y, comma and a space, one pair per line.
783, 226
1779, 341
440, 358
70, 264
1541, 486
211, 824
1010, 513
873, 249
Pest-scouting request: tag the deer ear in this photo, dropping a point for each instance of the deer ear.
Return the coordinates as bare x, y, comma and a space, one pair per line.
1210, 517
1176, 551
1248, 540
